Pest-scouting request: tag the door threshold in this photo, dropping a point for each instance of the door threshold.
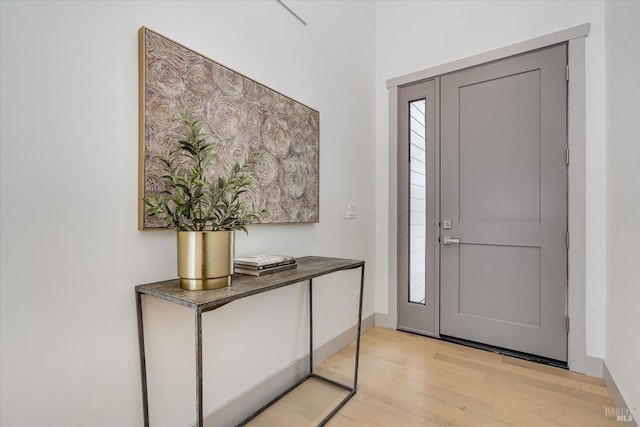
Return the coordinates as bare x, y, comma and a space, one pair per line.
507, 352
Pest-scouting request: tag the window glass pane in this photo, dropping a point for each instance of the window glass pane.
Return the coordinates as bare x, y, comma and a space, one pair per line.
417, 201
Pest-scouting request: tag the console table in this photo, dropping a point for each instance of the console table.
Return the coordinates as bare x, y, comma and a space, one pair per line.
243, 286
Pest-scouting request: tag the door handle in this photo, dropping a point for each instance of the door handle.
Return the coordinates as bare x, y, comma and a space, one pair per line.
448, 240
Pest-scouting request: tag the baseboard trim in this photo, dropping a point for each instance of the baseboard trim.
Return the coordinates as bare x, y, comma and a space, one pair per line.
245, 404
618, 400
385, 321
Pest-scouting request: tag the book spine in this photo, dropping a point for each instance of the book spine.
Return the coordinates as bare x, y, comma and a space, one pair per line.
263, 261
255, 272
263, 267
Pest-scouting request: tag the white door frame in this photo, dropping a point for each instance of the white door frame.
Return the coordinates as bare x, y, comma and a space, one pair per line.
578, 360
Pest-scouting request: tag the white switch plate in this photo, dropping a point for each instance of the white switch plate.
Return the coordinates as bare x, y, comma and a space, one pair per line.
350, 211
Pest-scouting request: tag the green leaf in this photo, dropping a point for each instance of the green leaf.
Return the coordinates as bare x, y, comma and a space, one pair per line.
188, 200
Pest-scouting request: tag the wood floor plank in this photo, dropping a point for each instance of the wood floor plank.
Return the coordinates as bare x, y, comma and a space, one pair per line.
298, 409
409, 380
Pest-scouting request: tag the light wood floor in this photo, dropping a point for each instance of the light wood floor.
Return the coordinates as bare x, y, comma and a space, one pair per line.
408, 380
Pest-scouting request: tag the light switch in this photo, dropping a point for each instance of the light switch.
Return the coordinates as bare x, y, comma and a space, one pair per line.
350, 211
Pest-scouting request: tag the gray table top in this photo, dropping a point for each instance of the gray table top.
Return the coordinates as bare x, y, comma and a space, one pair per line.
243, 285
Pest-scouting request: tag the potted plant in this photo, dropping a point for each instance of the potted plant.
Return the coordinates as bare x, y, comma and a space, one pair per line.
205, 211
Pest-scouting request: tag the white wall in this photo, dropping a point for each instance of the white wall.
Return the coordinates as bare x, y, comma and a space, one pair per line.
413, 36
70, 251
623, 198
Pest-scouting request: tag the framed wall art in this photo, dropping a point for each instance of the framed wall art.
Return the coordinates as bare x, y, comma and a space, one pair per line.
240, 115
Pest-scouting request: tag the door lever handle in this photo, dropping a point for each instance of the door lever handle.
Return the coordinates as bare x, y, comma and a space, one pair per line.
448, 240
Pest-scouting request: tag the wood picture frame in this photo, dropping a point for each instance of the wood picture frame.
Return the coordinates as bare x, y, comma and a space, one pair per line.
241, 115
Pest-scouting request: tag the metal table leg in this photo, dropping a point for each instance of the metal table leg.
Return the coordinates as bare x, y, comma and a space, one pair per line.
355, 375
199, 408
310, 326
143, 364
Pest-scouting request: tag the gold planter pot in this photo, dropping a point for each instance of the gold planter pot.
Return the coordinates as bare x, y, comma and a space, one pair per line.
205, 259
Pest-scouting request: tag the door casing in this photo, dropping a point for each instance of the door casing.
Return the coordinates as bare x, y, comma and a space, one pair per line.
538, 237
578, 359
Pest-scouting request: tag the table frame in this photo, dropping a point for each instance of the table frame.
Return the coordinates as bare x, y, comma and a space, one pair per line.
243, 286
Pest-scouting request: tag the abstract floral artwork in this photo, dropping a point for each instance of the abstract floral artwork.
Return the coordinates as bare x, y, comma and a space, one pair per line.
241, 116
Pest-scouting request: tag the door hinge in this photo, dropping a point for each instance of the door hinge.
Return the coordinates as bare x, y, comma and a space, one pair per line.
567, 73
567, 240
568, 323
567, 156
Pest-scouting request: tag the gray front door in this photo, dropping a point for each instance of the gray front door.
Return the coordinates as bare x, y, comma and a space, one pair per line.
503, 241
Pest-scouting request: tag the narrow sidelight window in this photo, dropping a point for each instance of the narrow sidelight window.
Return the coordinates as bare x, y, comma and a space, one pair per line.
417, 200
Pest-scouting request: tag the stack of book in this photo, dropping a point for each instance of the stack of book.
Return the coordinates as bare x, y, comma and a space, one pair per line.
258, 265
